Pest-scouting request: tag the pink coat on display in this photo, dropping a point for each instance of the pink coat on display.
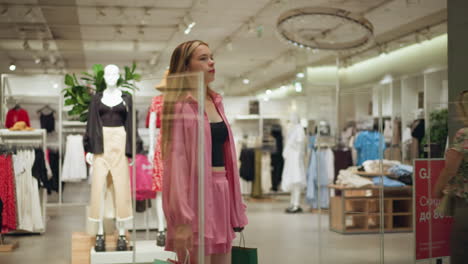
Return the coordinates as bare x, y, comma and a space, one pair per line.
180, 184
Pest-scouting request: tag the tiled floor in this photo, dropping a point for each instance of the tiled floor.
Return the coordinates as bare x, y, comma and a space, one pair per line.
280, 238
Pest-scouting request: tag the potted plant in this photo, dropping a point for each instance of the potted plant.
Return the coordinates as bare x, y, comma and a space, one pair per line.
78, 94
435, 137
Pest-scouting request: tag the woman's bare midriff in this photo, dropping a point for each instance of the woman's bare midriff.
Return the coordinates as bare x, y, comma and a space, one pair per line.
217, 169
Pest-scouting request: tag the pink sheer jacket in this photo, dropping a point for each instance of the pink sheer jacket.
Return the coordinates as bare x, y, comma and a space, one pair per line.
180, 179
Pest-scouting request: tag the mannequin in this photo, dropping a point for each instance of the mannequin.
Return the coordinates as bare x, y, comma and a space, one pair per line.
294, 178
108, 141
157, 172
417, 133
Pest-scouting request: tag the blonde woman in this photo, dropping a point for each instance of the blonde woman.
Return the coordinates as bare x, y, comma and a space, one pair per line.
454, 178
224, 208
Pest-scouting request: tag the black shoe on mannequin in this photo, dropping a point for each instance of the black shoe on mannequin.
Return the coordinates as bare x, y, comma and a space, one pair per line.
100, 245
161, 239
122, 243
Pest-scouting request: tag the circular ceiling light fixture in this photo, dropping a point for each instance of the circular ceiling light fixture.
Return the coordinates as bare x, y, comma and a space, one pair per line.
324, 28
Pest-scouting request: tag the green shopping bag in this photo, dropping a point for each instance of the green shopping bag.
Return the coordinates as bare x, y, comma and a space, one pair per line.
242, 254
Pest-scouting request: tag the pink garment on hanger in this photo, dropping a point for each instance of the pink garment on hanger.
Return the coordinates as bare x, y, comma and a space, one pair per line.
143, 178
156, 107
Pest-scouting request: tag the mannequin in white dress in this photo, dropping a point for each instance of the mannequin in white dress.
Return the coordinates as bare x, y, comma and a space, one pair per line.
294, 178
111, 97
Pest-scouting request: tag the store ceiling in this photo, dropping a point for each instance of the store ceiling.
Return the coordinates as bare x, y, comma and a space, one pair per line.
53, 36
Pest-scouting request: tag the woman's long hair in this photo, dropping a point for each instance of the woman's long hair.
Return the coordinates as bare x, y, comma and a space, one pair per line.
178, 85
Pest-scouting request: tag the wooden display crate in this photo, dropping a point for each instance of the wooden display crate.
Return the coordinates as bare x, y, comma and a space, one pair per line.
357, 210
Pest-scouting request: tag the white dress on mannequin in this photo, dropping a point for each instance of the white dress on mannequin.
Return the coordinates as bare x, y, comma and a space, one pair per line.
293, 154
294, 174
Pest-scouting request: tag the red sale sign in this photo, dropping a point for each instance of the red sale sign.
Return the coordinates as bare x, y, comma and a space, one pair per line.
432, 230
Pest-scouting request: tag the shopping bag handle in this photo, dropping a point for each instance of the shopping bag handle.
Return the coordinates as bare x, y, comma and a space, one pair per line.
186, 261
242, 239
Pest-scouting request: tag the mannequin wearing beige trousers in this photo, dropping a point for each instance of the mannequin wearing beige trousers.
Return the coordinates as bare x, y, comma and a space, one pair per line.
112, 162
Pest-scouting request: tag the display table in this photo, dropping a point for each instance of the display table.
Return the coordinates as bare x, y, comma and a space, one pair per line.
357, 210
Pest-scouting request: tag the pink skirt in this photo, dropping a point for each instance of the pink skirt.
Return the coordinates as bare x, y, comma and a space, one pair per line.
223, 234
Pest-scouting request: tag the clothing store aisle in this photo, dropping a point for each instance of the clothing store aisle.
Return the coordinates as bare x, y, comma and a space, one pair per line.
279, 237
295, 238
52, 247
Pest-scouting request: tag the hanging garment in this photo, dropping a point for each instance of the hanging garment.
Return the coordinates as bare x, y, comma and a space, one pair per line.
342, 160
319, 175
156, 107
113, 160
27, 193
143, 180
54, 166
247, 164
417, 132
293, 154
277, 161
47, 122
39, 170
388, 131
266, 172
367, 146
15, 115
7, 194
74, 164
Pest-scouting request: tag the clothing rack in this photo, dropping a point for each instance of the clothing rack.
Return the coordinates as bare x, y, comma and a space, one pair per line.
67, 127
36, 137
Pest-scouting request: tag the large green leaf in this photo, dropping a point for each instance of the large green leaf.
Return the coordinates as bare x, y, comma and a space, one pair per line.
86, 97
128, 74
84, 117
98, 68
69, 80
80, 100
70, 101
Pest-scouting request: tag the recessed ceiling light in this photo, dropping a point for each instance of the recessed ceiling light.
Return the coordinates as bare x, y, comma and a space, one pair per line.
246, 81
12, 67
300, 75
268, 91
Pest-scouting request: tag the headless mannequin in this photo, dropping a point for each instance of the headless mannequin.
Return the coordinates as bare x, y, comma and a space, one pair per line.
297, 184
159, 208
111, 97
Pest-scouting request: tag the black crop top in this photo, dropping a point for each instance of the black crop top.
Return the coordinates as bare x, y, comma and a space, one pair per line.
113, 116
219, 134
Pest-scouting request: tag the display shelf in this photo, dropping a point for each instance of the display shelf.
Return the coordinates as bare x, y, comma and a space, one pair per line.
357, 210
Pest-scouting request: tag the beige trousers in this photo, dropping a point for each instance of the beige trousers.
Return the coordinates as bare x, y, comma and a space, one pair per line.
112, 161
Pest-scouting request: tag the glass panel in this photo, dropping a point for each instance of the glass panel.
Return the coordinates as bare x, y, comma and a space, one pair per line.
353, 221
433, 232
404, 98
171, 107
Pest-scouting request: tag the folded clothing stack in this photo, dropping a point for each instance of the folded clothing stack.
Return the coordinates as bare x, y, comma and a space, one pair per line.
374, 165
403, 173
387, 182
348, 179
